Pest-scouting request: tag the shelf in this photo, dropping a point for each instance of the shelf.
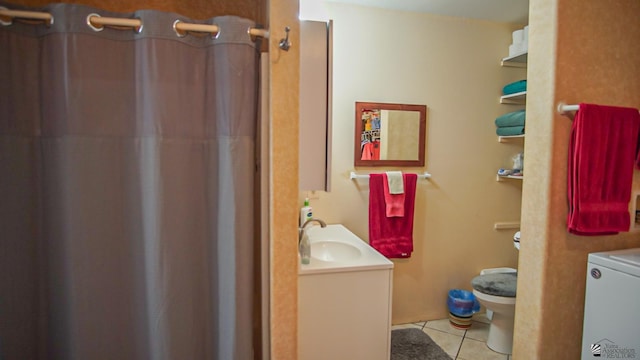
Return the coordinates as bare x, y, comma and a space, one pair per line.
518, 60
507, 138
506, 225
508, 177
518, 98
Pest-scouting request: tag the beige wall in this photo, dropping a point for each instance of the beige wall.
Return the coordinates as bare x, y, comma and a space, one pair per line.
452, 65
596, 60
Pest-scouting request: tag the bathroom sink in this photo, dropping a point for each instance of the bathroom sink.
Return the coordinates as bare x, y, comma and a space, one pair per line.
334, 251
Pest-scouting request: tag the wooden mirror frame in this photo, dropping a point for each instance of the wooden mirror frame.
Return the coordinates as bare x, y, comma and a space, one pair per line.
360, 106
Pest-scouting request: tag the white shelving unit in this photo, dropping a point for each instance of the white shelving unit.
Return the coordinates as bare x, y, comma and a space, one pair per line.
507, 138
518, 60
519, 98
508, 177
506, 225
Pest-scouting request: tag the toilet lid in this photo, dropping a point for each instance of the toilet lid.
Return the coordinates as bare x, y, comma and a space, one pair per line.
497, 284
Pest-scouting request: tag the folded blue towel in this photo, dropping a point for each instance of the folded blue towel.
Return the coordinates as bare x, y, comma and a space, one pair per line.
515, 118
515, 87
510, 130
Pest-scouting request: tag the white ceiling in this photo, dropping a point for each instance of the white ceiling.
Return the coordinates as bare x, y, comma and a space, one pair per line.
512, 11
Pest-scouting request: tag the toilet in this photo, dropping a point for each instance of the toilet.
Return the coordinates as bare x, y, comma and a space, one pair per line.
496, 291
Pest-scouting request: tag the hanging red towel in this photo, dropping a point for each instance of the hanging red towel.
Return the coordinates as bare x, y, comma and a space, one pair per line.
391, 236
602, 152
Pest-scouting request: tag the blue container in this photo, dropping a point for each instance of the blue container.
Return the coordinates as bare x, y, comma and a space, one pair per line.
462, 303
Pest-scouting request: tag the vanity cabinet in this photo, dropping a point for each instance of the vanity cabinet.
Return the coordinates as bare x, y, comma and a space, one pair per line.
345, 315
344, 298
315, 105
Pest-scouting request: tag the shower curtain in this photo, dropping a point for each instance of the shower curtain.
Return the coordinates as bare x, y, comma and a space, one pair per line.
126, 188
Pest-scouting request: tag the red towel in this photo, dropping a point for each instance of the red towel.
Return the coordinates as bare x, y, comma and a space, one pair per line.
391, 236
394, 203
602, 152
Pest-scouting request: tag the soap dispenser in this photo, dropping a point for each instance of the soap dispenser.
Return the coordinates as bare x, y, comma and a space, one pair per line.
305, 249
305, 212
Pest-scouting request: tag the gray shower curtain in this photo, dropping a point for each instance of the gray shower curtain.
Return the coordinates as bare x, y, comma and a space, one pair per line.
126, 189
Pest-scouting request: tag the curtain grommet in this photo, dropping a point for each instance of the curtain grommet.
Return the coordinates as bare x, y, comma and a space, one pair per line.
90, 24
217, 34
5, 23
138, 29
179, 33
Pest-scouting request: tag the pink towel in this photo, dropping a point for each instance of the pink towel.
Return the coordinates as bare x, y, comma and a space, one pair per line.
391, 236
367, 152
602, 152
394, 203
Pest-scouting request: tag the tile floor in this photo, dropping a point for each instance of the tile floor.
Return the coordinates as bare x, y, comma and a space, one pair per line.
467, 344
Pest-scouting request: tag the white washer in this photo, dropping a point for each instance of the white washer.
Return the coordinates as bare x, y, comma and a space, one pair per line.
612, 306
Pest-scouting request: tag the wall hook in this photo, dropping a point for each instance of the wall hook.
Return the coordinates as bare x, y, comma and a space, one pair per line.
285, 44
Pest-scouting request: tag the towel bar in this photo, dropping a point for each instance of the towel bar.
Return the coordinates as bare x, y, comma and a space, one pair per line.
564, 108
353, 176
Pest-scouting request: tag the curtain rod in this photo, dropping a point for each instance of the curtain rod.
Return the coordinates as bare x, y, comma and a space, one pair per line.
97, 23
353, 175
31, 15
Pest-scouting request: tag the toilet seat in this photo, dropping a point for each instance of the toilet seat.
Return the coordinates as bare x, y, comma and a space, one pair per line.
497, 292
496, 284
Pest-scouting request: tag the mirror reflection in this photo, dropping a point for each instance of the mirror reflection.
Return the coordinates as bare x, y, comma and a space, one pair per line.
389, 134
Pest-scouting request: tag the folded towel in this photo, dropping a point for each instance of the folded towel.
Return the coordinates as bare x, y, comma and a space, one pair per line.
515, 87
515, 118
510, 130
394, 203
391, 236
396, 182
602, 153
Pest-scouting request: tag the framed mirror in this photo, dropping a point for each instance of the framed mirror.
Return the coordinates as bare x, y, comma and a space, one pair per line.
390, 134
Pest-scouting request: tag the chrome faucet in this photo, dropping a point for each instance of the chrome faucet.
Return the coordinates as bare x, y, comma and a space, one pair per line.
301, 229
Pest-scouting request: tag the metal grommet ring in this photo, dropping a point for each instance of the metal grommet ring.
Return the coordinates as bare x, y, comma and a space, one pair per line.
178, 32
138, 29
217, 35
93, 27
5, 23
252, 37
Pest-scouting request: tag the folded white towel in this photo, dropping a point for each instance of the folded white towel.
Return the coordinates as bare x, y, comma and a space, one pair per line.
396, 182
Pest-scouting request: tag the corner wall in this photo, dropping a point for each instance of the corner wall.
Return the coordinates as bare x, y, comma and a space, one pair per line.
595, 60
284, 79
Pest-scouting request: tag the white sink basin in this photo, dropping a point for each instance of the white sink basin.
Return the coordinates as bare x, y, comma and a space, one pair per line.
337, 251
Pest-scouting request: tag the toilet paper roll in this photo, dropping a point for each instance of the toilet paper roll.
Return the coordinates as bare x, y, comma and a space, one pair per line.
517, 36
